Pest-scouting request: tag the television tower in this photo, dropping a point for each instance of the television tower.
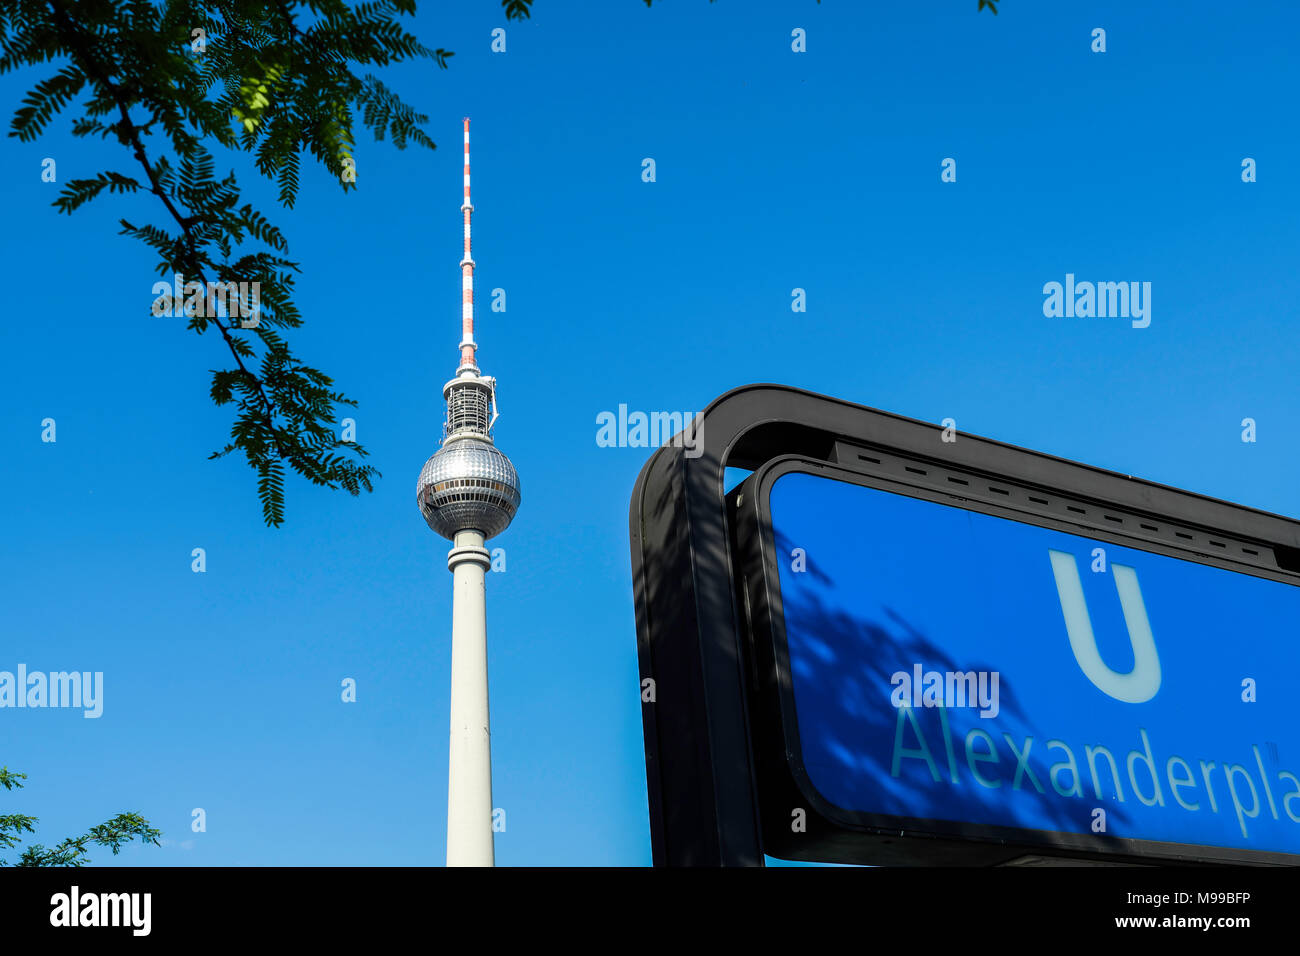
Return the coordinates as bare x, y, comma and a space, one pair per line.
468, 492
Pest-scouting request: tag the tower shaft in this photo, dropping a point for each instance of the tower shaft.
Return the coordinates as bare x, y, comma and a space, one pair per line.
469, 783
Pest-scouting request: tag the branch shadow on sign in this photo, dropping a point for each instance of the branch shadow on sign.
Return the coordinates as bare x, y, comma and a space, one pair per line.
864, 754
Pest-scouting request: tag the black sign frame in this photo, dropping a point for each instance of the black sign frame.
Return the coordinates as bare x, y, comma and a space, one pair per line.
714, 795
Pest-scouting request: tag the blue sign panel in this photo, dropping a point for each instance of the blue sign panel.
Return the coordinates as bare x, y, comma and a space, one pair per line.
951, 665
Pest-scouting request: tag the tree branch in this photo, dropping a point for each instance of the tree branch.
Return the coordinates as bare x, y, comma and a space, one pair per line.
71, 34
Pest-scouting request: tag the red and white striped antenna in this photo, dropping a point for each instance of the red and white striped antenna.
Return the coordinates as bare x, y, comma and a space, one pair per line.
467, 344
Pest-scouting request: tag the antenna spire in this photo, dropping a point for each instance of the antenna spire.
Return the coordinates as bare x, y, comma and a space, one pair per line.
468, 366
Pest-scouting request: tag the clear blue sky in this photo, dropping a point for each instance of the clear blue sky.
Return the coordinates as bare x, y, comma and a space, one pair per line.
775, 170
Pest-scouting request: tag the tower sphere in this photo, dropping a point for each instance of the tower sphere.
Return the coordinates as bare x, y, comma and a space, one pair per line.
468, 485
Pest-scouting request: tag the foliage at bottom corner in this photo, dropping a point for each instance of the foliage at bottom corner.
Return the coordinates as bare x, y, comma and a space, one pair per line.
73, 851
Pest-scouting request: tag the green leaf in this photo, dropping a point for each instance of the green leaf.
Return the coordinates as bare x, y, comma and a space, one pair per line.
43, 102
80, 191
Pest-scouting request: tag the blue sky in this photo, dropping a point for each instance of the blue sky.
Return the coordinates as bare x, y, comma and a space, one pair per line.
775, 170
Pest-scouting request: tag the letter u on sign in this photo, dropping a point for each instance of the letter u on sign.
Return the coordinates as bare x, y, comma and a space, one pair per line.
1139, 684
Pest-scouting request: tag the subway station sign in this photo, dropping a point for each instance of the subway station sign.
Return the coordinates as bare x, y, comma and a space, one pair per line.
882, 647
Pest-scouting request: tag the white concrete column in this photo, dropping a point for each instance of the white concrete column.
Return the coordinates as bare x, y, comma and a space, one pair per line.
469, 787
